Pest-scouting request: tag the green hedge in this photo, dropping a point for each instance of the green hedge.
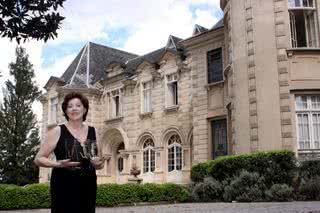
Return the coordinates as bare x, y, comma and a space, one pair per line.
275, 166
37, 195
24, 197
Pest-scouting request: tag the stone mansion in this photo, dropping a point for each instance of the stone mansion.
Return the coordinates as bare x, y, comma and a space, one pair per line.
250, 83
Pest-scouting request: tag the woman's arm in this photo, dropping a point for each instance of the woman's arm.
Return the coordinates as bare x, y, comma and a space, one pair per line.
46, 148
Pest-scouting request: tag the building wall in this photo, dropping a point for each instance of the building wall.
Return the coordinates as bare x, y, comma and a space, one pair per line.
262, 76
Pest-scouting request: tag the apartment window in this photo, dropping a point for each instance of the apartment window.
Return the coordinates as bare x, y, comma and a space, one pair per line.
172, 90
146, 97
219, 138
215, 67
308, 121
114, 104
303, 23
53, 108
149, 157
174, 153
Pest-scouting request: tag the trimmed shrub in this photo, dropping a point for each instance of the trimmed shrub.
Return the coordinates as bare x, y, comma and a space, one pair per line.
26, 197
309, 189
200, 171
38, 196
279, 192
208, 190
247, 187
275, 166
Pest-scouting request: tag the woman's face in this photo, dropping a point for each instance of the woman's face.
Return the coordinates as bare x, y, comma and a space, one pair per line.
75, 109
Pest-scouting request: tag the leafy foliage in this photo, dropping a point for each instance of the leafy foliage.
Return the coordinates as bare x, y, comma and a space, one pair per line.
279, 192
19, 136
309, 188
247, 187
275, 166
208, 190
36, 19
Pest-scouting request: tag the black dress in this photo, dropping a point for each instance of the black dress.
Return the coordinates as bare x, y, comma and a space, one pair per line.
73, 190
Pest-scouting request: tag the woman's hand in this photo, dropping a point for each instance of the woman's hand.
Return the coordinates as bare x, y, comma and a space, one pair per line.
98, 162
67, 163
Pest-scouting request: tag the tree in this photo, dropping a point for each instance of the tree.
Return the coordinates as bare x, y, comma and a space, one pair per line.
18, 134
35, 19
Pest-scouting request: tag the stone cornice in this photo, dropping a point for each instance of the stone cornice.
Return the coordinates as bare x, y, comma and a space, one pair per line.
90, 91
203, 38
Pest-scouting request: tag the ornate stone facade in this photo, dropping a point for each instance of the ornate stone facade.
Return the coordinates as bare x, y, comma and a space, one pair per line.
174, 107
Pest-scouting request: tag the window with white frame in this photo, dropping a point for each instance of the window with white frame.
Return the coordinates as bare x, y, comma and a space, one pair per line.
149, 158
308, 121
174, 153
146, 97
114, 104
53, 108
172, 90
303, 23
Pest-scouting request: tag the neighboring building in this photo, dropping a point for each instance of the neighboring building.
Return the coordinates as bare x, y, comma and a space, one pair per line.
250, 83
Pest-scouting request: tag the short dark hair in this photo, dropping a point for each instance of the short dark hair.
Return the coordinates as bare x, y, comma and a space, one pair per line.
71, 96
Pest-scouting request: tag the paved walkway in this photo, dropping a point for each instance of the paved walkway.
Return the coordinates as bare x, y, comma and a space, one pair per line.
286, 207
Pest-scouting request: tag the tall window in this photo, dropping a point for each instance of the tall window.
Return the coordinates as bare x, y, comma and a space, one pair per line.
308, 121
219, 137
53, 110
172, 90
149, 157
114, 104
120, 163
174, 153
146, 97
303, 23
215, 67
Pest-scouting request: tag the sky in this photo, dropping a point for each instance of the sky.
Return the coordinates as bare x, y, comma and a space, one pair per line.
139, 27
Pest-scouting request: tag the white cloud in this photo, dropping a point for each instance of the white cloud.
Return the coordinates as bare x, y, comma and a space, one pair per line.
149, 23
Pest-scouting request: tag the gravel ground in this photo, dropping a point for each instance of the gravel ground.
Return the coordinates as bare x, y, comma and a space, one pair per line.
285, 207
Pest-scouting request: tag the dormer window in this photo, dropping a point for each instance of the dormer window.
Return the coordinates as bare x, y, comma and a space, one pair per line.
303, 23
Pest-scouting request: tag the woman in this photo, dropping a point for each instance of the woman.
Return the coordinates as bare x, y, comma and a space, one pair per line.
73, 183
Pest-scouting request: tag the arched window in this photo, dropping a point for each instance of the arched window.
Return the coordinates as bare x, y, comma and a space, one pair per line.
149, 158
174, 153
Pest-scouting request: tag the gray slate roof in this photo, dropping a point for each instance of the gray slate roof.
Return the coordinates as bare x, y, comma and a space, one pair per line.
154, 56
218, 24
99, 58
199, 29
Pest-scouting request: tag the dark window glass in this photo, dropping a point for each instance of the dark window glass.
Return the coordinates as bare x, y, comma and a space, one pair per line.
215, 67
219, 138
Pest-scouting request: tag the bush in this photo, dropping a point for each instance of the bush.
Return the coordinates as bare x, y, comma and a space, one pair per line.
200, 171
309, 169
208, 190
309, 189
275, 166
247, 187
38, 196
279, 192
26, 197
113, 194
